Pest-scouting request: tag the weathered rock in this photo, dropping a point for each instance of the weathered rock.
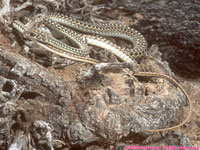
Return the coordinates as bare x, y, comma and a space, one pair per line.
106, 104
173, 25
28, 93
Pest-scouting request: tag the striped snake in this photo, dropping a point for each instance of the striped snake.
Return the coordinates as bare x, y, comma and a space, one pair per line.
59, 23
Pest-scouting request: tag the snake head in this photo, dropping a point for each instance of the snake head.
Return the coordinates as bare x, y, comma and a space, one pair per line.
30, 35
36, 36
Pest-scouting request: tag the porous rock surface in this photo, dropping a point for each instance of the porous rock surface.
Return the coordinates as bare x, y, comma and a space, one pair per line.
174, 26
104, 105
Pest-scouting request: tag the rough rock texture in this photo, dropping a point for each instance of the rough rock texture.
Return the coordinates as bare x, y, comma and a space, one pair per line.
174, 25
106, 104
27, 94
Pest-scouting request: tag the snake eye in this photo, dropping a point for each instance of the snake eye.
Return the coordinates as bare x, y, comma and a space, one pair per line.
32, 34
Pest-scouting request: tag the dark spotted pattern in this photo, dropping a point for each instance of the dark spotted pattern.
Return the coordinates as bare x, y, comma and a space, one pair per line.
112, 30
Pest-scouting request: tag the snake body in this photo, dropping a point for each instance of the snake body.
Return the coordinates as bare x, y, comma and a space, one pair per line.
111, 30
57, 22
123, 54
53, 45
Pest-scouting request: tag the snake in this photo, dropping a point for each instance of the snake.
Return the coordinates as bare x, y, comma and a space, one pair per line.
66, 25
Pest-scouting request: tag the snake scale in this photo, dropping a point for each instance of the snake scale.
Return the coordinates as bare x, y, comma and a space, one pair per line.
66, 25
